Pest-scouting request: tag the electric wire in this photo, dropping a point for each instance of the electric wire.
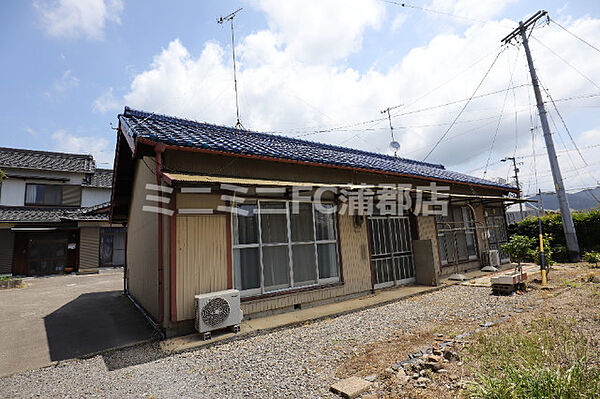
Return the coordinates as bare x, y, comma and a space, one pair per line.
511, 72
575, 36
567, 62
406, 5
465, 106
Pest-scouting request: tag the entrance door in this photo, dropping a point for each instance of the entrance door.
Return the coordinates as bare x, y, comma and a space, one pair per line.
391, 250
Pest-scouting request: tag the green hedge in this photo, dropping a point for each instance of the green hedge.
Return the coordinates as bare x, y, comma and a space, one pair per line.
587, 225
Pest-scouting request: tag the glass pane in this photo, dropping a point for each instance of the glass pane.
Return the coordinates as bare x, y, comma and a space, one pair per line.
471, 245
273, 222
461, 245
246, 269
325, 224
118, 257
245, 228
328, 265
106, 249
276, 267
442, 244
31, 194
304, 264
302, 223
53, 195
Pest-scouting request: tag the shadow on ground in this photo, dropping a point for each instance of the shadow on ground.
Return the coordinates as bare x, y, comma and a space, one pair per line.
95, 322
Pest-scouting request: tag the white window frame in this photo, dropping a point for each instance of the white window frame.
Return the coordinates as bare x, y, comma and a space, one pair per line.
260, 245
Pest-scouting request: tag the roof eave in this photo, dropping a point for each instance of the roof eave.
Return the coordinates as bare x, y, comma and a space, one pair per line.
147, 141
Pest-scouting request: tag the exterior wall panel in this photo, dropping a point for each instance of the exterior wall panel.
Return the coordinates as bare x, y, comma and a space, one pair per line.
142, 238
201, 259
89, 248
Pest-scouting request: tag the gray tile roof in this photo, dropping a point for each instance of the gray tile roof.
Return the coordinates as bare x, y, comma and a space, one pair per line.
45, 160
102, 178
23, 214
186, 133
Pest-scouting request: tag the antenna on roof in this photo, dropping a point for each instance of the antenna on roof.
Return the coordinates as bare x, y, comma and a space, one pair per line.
221, 20
394, 144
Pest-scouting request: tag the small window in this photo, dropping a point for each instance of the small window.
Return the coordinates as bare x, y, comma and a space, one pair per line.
43, 194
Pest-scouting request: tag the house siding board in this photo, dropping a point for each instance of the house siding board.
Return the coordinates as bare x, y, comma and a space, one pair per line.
142, 238
89, 248
201, 259
6, 251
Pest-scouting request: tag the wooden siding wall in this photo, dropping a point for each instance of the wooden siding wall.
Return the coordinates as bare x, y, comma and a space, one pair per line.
428, 231
142, 237
7, 238
89, 248
357, 273
201, 259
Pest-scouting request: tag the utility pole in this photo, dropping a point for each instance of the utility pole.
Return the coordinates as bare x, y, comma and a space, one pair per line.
565, 211
221, 20
516, 176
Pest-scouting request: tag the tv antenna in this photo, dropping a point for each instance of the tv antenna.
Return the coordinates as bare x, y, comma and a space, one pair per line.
238, 124
394, 144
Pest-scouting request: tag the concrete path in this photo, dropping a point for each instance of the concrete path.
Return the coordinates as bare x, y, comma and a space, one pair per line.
254, 326
61, 317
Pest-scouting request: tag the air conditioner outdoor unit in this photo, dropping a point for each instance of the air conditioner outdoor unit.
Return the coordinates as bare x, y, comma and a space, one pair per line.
217, 310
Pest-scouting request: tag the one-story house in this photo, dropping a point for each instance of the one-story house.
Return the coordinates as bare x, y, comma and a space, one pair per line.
210, 208
54, 210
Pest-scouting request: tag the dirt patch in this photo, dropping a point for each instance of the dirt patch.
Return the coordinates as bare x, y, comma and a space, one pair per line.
572, 295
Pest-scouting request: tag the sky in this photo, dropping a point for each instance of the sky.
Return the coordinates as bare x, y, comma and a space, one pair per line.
320, 70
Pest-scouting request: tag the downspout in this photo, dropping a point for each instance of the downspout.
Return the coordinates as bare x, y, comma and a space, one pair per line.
159, 150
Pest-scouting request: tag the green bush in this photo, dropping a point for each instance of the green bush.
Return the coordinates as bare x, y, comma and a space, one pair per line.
592, 257
552, 360
587, 227
519, 248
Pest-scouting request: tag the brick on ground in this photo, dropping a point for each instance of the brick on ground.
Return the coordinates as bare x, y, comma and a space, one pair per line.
350, 387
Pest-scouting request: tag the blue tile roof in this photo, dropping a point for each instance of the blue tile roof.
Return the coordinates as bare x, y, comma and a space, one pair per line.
187, 133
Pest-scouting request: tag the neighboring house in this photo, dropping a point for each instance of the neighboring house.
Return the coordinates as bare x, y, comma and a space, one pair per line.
210, 208
54, 214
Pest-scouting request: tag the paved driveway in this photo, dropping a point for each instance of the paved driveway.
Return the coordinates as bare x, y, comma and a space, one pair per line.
61, 317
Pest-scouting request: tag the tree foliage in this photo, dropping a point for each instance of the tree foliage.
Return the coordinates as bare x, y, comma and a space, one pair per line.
587, 227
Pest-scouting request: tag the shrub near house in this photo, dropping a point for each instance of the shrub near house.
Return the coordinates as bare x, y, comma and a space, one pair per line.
587, 226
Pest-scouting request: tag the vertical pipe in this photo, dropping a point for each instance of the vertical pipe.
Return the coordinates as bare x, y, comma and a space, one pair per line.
159, 150
173, 257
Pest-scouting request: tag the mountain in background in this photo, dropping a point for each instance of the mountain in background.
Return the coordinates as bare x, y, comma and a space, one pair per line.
581, 200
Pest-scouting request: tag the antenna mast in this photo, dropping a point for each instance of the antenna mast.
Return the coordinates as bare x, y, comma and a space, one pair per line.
238, 124
394, 144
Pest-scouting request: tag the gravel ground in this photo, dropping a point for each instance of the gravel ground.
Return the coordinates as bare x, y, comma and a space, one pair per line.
297, 362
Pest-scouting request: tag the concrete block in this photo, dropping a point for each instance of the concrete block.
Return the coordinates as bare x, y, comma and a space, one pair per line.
350, 387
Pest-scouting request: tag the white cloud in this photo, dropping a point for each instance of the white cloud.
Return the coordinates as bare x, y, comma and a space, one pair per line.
321, 33
76, 18
280, 93
106, 102
398, 21
66, 82
97, 146
470, 9
30, 131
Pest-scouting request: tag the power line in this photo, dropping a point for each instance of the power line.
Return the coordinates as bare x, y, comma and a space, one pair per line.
511, 71
465, 106
406, 5
575, 36
563, 122
567, 62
